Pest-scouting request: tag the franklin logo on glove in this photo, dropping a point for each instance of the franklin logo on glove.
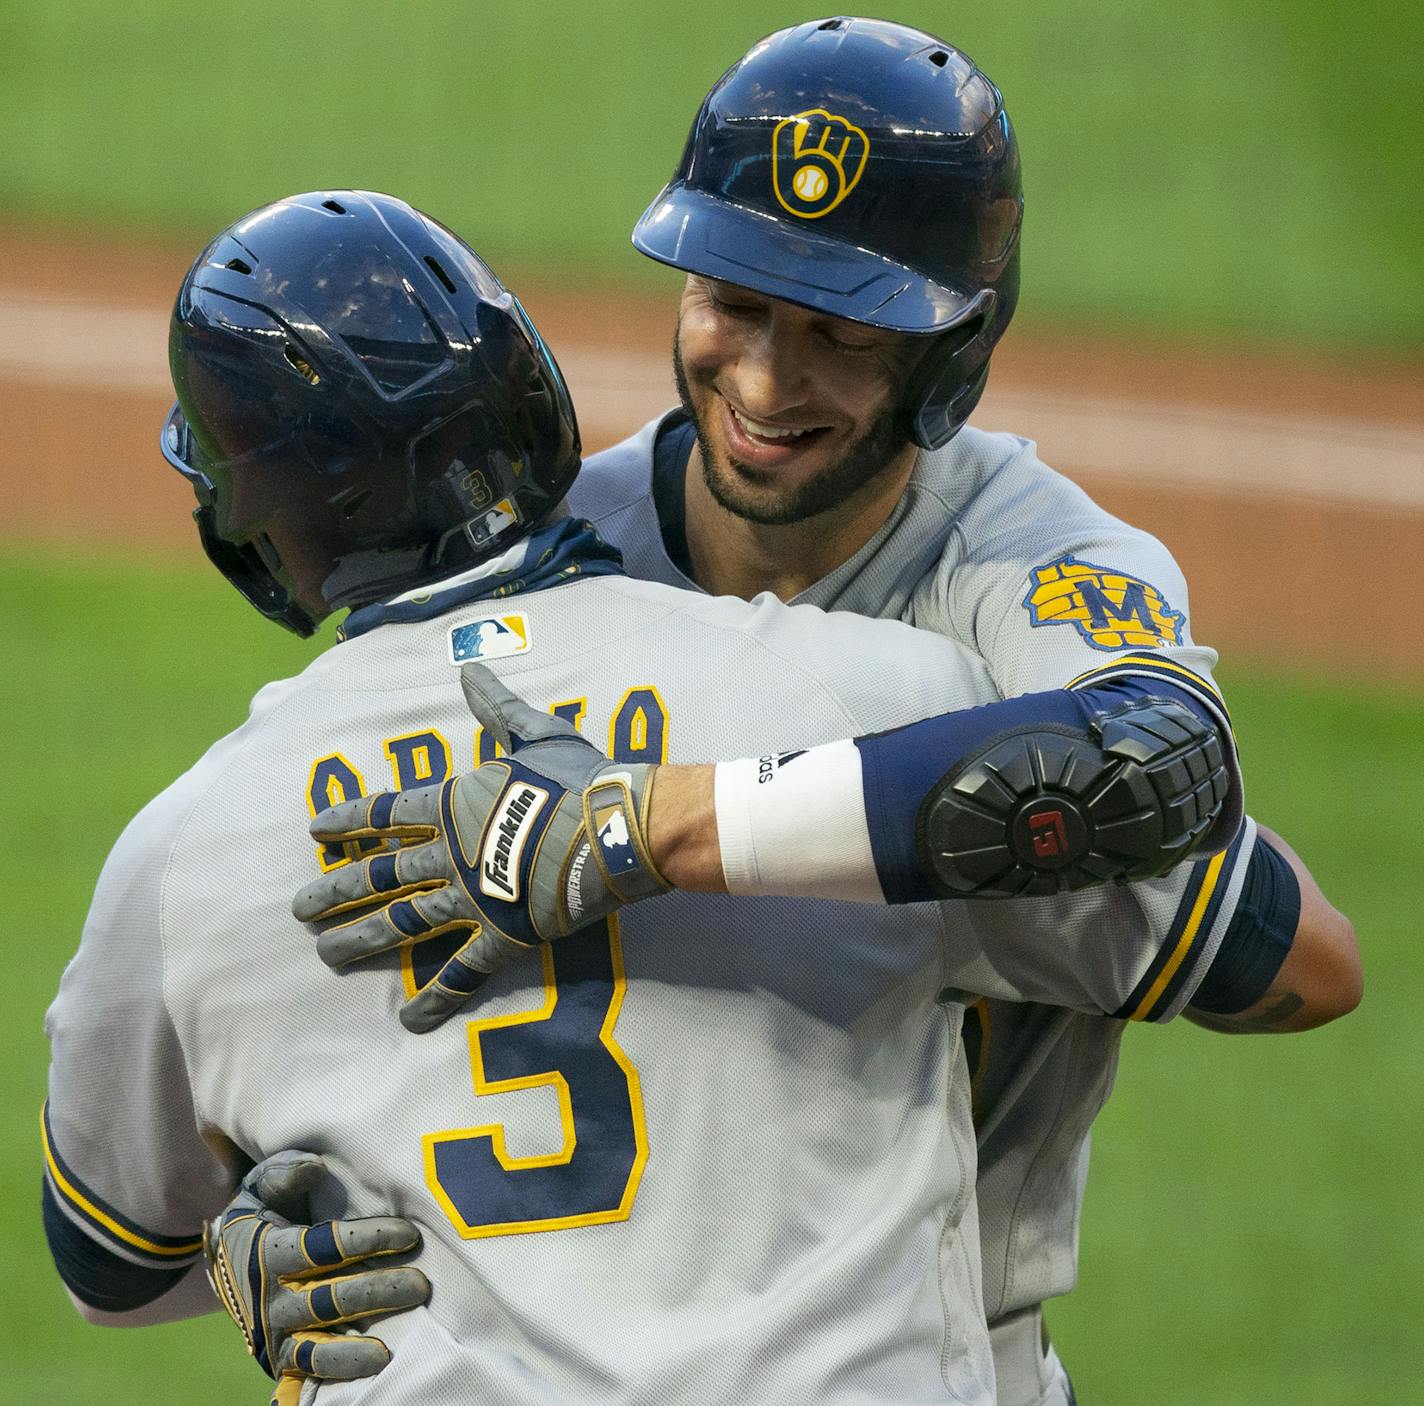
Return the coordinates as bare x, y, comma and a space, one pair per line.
504, 844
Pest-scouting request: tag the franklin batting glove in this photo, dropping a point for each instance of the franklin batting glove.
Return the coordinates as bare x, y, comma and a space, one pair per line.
273, 1274
528, 847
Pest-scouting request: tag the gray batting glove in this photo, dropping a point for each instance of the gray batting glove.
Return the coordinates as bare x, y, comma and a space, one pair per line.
547, 838
274, 1273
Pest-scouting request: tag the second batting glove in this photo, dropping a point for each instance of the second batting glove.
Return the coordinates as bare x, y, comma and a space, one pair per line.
287, 1284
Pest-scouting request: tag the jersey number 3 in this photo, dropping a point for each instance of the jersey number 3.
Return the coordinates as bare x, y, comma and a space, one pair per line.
566, 1045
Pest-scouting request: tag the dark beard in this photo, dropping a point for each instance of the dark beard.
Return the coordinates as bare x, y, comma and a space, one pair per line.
862, 463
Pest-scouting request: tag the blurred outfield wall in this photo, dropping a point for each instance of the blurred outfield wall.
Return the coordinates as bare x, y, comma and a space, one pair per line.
1251, 169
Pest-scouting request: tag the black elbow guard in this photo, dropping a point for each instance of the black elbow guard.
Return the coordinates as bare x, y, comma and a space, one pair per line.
1049, 809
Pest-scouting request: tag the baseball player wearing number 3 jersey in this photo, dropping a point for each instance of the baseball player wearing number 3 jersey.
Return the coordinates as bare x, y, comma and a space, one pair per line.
358, 395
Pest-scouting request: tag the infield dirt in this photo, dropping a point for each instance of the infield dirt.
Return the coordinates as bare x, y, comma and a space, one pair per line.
1291, 491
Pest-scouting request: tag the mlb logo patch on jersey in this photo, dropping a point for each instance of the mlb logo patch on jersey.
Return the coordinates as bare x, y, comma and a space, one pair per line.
1109, 608
490, 637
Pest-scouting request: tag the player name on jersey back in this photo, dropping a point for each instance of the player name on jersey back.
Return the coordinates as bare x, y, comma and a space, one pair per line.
655, 1155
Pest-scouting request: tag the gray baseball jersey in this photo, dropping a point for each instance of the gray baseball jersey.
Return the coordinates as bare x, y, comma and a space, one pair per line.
991, 548
704, 1154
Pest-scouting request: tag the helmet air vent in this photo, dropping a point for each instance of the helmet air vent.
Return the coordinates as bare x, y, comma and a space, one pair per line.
939, 58
829, 24
238, 266
446, 281
334, 206
300, 364
355, 503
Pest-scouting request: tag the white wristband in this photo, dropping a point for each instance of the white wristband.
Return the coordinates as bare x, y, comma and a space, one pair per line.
794, 825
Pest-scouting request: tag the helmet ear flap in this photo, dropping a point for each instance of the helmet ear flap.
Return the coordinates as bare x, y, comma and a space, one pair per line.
950, 378
937, 420
253, 577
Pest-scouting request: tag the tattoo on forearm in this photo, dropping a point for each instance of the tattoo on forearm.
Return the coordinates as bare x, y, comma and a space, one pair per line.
1264, 1023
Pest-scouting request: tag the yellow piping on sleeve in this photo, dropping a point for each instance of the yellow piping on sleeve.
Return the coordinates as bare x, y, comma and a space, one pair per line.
107, 1221
1184, 943
1170, 665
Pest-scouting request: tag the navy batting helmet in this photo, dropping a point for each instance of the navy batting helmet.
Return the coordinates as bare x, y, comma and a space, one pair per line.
866, 170
362, 407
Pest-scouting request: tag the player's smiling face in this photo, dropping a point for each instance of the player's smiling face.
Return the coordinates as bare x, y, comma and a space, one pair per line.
795, 411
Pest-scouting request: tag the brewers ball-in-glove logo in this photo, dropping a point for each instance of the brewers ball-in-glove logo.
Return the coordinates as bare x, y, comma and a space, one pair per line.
816, 159
1109, 608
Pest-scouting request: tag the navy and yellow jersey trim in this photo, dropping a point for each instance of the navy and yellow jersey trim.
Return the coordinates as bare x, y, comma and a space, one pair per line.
1168, 670
1189, 939
95, 1274
136, 1243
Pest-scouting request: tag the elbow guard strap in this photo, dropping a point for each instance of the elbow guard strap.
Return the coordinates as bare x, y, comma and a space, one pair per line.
1051, 808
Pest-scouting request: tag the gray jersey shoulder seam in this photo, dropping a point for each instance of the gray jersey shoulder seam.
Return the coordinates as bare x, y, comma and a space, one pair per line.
638, 498
738, 631
526, 664
956, 514
826, 686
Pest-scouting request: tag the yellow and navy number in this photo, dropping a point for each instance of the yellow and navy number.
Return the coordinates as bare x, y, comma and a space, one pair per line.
567, 1043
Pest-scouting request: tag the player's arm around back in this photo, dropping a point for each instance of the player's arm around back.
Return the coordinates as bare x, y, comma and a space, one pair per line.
1320, 978
983, 802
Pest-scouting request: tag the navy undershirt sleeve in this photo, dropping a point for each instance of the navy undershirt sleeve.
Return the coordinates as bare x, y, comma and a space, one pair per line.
900, 767
1258, 938
97, 1276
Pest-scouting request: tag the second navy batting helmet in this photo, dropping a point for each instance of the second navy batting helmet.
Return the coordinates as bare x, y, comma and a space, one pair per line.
362, 407
866, 170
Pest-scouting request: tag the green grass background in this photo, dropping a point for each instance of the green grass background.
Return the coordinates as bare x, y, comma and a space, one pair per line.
1252, 1221
1230, 169
1250, 168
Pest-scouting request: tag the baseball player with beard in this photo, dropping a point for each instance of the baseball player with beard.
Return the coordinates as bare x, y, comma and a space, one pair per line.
720, 1150
848, 209
828, 355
